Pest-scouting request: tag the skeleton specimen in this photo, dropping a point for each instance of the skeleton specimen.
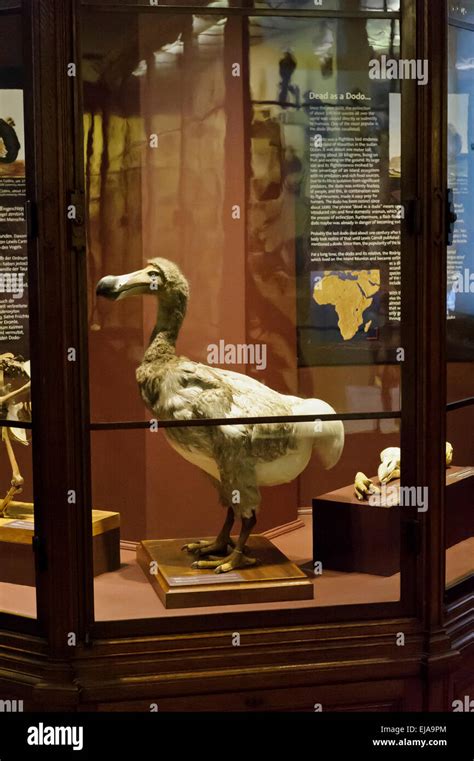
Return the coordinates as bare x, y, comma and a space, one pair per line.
11, 409
388, 470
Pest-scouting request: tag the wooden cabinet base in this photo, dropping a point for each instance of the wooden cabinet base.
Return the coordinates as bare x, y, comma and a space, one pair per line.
273, 579
17, 560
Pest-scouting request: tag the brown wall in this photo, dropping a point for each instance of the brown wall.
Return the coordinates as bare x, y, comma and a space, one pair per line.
173, 202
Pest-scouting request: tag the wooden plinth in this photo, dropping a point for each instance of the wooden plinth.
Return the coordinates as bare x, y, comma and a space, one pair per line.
17, 561
273, 579
353, 536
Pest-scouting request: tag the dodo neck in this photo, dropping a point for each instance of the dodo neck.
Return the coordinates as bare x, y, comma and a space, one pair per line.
171, 311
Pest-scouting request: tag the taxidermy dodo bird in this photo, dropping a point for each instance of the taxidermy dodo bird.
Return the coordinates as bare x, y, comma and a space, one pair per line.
239, 458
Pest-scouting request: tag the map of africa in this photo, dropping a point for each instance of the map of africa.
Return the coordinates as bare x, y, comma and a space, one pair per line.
351, 294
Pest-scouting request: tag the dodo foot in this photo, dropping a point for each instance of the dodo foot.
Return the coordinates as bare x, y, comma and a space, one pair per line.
364, 487
230, 563
205, 547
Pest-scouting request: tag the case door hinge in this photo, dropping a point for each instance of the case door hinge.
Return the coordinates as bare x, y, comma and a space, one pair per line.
412, 536
76, 216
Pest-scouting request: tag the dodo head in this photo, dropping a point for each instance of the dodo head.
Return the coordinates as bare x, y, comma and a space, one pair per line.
160, 278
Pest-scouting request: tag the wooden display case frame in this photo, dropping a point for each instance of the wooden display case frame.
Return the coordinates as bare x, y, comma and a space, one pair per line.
347, 656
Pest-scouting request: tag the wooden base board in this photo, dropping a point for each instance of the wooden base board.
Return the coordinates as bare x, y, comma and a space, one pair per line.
285, 528
17, 561
273, 579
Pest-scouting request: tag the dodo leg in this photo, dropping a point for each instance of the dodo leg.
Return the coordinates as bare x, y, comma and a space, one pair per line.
238, 490
221, 543
237, 558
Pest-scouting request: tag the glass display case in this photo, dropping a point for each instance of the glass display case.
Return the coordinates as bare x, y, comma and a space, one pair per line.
16, 513
460, 325
237, 232
227, 147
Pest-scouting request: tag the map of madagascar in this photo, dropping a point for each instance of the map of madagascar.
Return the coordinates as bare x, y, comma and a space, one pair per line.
351, 294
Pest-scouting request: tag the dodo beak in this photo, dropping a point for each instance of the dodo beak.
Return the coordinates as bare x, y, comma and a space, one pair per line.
141, 282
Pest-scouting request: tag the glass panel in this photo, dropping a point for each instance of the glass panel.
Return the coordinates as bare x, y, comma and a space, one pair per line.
328, 138
16, 517
17, 561
361, 6
460, 486
460, 307
351, 558
226, 147
303, 229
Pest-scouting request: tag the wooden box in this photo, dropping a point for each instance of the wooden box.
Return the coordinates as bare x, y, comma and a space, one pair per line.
17, 560
354, 536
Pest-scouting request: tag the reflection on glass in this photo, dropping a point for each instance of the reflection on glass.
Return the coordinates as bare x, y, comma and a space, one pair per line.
365, 6
462, 10
459, 486
460, 296
17, 561
17, 573
368, 6
358, 561
14, 330
178, 145
156, 152
460, 308
211, 212
325, 191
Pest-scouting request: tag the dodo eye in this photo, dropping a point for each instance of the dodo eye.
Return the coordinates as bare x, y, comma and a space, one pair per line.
156, 271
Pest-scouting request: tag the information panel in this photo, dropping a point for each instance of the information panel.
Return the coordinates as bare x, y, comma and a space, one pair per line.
13, 248
325, 196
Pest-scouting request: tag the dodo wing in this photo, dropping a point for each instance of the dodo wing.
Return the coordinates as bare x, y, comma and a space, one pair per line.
216, 393
203, 393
